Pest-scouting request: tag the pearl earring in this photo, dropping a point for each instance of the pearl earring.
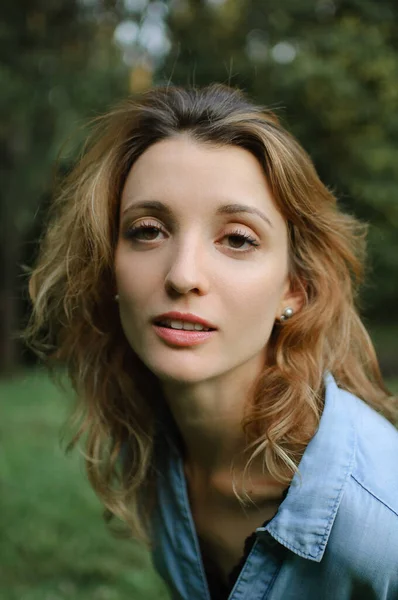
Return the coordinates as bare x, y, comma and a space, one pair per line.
287, 313
117, 297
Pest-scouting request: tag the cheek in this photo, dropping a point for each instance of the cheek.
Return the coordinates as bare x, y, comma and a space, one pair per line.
132, 289
257, 296
131, 277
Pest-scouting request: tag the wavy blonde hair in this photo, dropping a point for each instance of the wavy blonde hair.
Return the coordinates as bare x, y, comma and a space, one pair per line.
75, 319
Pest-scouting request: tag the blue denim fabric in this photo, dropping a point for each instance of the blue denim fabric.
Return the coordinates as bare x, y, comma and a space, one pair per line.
334, 537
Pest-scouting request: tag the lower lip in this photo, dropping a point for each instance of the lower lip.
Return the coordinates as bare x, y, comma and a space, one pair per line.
181, 337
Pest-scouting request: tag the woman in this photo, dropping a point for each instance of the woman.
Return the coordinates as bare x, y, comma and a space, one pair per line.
199, 282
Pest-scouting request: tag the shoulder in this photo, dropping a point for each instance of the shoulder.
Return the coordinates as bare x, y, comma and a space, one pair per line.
364, 540
366, 525
375, 468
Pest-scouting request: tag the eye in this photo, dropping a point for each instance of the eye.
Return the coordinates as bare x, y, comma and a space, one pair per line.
144, 232
243, 237
149, 232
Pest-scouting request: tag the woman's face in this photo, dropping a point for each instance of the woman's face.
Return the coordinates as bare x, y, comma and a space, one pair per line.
187, 253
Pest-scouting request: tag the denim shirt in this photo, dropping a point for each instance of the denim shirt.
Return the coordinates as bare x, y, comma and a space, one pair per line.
334, 536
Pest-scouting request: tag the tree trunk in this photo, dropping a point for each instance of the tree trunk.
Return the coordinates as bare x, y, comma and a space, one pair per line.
9, 294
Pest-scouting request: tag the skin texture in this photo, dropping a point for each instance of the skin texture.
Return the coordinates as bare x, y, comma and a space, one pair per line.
196, 264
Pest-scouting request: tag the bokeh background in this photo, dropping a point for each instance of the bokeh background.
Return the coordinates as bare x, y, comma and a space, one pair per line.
329, 68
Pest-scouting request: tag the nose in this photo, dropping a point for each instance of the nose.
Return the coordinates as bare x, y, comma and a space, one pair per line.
186, 272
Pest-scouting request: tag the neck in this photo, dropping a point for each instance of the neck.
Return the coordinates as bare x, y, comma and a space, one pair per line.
209, 417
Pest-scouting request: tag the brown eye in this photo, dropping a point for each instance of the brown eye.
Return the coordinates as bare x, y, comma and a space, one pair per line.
143, 232
240, 238
237, 240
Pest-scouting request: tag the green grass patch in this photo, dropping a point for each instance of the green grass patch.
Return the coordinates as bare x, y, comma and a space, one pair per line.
54, 544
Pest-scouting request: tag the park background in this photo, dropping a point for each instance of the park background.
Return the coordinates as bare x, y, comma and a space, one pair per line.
329, 68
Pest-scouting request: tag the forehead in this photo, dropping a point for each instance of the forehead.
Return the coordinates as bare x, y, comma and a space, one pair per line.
199, 176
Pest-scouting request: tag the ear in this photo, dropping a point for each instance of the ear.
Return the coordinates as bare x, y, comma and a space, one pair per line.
293, 297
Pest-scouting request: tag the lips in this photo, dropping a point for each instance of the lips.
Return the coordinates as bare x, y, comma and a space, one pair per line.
180, 337
194, 326
184, 317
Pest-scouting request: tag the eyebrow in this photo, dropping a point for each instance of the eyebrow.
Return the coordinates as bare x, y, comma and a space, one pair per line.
224, 209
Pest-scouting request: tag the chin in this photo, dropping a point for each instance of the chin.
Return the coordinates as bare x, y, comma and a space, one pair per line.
179, 374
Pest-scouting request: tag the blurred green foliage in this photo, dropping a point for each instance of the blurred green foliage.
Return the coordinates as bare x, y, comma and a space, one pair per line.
58, 66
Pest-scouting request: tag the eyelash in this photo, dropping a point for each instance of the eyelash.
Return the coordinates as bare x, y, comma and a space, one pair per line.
132, 232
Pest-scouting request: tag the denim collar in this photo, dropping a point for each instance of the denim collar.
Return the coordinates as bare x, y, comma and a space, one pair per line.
305, 518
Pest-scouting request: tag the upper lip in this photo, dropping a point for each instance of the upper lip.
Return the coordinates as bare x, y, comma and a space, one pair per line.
189, 317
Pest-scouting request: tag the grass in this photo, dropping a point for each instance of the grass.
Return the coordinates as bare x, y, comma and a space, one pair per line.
54, 544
